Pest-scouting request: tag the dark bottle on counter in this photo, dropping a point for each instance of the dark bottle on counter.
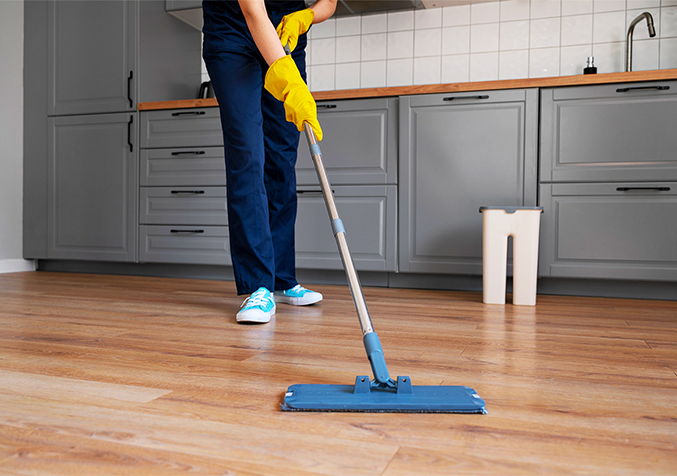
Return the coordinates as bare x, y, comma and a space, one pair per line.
591, 68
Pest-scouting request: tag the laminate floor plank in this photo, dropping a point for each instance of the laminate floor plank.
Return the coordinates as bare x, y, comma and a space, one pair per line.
144, 375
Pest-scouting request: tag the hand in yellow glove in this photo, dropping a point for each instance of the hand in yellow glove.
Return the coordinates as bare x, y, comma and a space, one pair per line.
284, 82
294, 25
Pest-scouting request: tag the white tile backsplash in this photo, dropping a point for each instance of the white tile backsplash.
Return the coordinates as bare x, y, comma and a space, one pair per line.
400, 72
456, 40
608, 27
513, 64
512, 10
668, 53
576, 7
484, 38
544, 33
400, 44
427, 70
457, 15
544, 62
374, 23
506, 39
348, 26
348, 76
373, 74
400, 21
573, 59
546, 8
576, 30
514, 35
348, 49
484, 67
428, 42
374, 47
455, 69
484, 13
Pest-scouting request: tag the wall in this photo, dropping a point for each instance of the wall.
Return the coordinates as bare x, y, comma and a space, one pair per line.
11, 136
507, 39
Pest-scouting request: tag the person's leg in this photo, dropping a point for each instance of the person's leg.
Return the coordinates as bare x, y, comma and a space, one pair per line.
281, 145
238, 84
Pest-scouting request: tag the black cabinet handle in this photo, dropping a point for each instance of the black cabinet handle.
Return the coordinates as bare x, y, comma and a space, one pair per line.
186, 231
188, 113
637, 88
129, 133
327, 106
451, 98
189, 192
129, 89
643, 189
190, 152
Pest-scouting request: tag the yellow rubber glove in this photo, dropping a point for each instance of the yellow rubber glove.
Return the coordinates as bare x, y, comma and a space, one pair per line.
294, 25
284, 82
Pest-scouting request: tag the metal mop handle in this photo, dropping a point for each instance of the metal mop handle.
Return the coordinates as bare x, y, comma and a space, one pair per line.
339, 233
371, 341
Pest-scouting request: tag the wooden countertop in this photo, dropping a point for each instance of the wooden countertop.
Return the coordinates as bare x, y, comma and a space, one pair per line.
579, 80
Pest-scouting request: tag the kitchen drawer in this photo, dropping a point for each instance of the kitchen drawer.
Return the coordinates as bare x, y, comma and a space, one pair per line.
359, 144
181, 244
369, 214
189, 167
609, 133
609, 230
183, 206
199, 127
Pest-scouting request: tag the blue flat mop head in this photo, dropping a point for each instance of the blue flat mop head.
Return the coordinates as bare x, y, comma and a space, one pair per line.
366, 396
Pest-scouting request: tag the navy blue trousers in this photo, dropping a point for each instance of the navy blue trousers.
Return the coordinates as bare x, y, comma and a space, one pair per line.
260, 149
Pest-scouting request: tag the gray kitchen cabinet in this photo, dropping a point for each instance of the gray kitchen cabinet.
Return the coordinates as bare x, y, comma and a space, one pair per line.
183, 206
369, 214
92, 56
196, 165
184, 244
197, 127
92, 183
609, 133
459, 152
182, 198
172, 5
359, 146
623, 230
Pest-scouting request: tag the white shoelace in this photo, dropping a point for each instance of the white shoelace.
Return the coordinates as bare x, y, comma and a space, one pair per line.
256, 299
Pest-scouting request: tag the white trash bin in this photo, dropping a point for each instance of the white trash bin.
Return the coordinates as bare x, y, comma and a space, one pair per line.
523, 224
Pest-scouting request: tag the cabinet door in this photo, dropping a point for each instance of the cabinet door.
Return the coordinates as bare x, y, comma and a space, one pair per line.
609, 230
359, 145
92, 187
609, 133
459, 152
92, 56
369, 214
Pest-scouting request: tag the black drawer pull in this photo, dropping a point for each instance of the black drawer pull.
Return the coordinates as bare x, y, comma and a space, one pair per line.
191, 192
637, 88
129, 133
643, 189
451, 98
188, 113
186, 231
327, 106
190, 152
129, 89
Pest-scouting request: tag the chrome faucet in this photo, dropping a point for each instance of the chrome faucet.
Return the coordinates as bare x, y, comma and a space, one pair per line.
631, 29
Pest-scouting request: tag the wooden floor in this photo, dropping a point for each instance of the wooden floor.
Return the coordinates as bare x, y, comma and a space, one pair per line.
117, 375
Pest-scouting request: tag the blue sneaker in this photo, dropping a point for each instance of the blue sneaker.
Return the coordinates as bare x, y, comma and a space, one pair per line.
298, 296
258, 307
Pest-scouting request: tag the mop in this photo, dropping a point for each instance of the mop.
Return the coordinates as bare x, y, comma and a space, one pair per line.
382, 393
